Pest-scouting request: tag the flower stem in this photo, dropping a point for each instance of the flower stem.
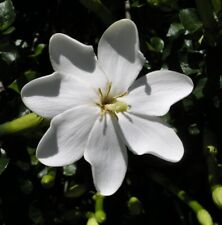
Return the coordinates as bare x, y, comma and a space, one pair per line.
23, 123
203, 216
127, 9
211, 152
100, 214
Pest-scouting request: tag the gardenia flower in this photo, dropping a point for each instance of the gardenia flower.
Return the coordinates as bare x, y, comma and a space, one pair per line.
98, 107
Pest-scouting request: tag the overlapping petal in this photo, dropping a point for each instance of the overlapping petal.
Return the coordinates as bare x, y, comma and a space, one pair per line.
154, 93
66, 139
107, 156
53, 94
119, 55
69, 56
149, 135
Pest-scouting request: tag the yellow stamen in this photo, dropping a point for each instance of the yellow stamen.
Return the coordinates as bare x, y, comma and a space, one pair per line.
111, 104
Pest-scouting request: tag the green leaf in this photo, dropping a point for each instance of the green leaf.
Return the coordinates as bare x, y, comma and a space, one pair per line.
30, 74
156, 44
216, 5
3, 163
163, 3
198, 91
136, 4
14, 86
190, 20
8, 31
7, 14
38, 50
69, 170
175, 30
9, 57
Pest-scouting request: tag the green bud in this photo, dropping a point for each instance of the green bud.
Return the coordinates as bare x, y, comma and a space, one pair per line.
217, 195
135, 206
48, 180
92, 221
26, 122
100, 216
204, 217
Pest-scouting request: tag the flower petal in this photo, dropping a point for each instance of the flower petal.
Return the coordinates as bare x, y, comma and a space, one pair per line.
65, 140
69, 56
149, 135
107, 156
53, 94
119, 55
154, 93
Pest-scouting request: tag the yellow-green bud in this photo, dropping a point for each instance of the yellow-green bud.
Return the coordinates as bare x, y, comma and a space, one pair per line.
47, 180
23, 123
217, 195
92, 221
204, 217
135, 206
100, 216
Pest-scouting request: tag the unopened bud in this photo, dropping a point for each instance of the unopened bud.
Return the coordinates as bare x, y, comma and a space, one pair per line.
217, 195
92, 221
47, 180
135, 206
204, 217
100, 216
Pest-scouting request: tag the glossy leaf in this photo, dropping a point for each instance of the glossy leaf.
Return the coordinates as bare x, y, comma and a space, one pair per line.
175, 30
4, 161
190, 20
216, 5
7, 14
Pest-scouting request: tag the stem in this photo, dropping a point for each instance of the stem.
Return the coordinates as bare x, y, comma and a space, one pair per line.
213, 174
210, 151
100, 214
202, 214
23, 123
127, 9
98, 202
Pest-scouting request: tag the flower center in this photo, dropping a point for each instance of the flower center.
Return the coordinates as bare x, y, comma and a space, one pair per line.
110, 104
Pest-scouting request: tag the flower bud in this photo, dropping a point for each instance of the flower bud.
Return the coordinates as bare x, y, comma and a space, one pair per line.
92, 221
217, 195
204, 218
48, 180
135, 206
23, 123
100, 216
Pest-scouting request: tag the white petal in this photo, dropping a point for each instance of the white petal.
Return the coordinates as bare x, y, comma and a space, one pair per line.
150, 135
53, 94
107, 156
119, 55
69, 56
154, 93
66, 139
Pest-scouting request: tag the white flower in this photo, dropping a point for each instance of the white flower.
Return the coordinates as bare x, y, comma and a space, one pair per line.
97, 107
